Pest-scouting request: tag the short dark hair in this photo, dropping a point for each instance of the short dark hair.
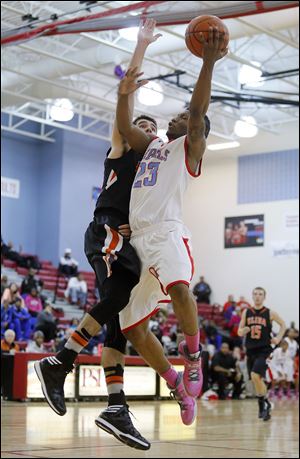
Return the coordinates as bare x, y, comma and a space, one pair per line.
145, 117
260, 288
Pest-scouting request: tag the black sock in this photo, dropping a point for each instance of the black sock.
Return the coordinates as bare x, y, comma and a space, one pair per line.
67, 357
117, 399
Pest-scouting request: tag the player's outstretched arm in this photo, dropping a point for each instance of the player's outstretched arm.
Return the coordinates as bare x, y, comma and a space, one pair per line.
201, 96
276, 317
145, 37
136, 138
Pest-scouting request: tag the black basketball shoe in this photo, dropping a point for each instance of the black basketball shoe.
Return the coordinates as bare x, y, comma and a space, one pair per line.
116, 421
52, 375
261, 406
266, 414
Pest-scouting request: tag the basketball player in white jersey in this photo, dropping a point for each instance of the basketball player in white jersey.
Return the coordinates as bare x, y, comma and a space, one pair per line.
158, 233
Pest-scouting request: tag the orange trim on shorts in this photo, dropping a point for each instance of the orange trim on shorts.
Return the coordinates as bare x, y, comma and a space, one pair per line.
140, 321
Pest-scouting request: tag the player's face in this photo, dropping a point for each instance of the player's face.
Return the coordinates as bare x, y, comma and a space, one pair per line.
147, 126
258, 297
178, 126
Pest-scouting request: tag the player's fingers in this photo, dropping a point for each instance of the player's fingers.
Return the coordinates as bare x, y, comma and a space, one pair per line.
210, 36
142, 83
216, 37
201, 38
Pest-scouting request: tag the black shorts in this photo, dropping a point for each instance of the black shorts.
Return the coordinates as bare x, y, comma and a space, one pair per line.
105, 245
257, 361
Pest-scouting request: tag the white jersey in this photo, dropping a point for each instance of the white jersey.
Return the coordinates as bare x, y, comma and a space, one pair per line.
293, 347
280, 358
160, 183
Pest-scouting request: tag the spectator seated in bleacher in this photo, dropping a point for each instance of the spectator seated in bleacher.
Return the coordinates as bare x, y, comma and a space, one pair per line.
46, 322
4, 283
21, 320
6, 316
212, 334
202, 291
34, 305
37, 344
68, 266
225, 370
76, 291
74, 323
11, 293
8, 344
24, 261
243, 303
30, 282
228, 308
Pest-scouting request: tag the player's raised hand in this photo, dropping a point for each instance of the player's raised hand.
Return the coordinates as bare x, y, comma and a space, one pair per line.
213, 48
129, 83
146, 32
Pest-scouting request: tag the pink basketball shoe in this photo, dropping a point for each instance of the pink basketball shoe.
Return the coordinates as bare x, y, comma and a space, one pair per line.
188, 405
192, 375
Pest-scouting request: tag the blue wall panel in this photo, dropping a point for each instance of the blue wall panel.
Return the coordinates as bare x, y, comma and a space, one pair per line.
268, 177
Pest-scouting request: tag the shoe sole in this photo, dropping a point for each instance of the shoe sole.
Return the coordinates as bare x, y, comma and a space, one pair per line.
194, 417
39, 373
128, 439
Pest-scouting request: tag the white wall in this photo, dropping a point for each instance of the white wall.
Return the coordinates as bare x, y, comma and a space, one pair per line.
208, 201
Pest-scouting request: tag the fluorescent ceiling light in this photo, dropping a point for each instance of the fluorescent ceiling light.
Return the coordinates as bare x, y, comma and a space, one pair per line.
61, 110
223, 146
251, 76
130, 33
151, 94
246, 127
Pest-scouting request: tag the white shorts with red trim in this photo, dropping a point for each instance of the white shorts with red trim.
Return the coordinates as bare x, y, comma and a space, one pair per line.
165, 254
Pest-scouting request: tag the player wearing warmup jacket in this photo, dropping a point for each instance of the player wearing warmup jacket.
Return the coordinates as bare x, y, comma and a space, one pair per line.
158, 233
117, 269
256, 325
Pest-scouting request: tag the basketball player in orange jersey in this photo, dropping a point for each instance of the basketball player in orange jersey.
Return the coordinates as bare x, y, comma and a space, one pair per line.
256, 325
158, 233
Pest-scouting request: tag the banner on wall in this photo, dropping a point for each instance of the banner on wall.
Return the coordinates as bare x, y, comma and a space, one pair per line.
244, 231
10, 188
291, 221
285, 249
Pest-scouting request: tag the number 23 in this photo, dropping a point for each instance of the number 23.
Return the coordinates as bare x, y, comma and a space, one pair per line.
151, 179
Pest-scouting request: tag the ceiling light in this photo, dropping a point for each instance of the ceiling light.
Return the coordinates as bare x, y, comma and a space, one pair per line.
246, 127
152, 94
251, 76
61, 110
223, 146
129, 34
161, 133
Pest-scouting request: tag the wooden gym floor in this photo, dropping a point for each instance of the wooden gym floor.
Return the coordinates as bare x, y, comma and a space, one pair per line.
223, 429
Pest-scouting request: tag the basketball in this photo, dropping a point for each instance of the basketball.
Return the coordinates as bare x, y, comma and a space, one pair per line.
202, 24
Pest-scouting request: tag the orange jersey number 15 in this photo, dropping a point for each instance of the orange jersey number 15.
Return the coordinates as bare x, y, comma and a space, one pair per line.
256, 332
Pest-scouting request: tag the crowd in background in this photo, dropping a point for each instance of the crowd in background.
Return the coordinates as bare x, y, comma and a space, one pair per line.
28, 317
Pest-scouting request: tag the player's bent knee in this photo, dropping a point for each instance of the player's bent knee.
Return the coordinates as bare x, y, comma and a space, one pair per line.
179, 293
